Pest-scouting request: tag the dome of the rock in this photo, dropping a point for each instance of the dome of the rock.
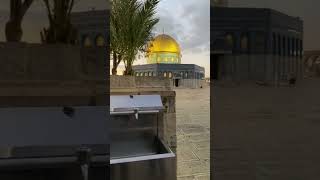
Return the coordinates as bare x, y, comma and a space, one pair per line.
163, 49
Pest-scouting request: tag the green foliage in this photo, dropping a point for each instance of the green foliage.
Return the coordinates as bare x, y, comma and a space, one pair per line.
60, 29
18, 9
131, 24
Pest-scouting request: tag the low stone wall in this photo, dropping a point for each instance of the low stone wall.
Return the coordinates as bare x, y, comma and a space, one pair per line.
23, 61
130, 85
189, 83
52, 75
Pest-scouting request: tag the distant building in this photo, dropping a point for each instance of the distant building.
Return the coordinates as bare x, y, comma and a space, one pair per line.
164, 60
92, 27
219, 3
93, 34
255, 44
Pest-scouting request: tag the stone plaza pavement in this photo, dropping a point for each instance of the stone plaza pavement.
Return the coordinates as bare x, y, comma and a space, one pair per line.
263, 133
193, 133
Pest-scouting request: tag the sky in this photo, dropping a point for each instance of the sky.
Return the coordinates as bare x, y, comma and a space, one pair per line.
308, 10
36, 19
187, 21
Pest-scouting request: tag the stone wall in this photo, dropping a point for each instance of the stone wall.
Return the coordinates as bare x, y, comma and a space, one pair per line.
52, 75
268, 68
130, 85
189, 83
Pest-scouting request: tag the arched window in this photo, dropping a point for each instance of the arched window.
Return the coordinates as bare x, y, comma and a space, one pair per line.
186, 75
174, 59
244, 43
293, 46
141, 74
274, 43
301, 47
229, 41
150, 73
165, 74
145, 74
279, 45
100, 42
170, 75
260, 42
283, 46
297, 47
87, 41
289, 46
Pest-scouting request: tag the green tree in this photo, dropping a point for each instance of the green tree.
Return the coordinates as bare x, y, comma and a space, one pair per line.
117, 44
18, 9
60, 29
131, 25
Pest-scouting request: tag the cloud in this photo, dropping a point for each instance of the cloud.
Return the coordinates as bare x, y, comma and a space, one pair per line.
188, 22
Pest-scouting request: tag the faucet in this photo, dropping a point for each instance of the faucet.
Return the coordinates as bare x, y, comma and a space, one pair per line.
136, 114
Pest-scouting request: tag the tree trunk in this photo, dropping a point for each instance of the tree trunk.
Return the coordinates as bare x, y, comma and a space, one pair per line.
129, 70
115, 66
13, 30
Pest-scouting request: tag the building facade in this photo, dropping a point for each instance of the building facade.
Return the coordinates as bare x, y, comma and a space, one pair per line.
93, 35
219, 3
164, 60
92, 27
177, 71
255, 44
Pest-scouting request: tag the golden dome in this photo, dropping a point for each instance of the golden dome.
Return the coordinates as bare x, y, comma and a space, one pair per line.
164, 49
164, 43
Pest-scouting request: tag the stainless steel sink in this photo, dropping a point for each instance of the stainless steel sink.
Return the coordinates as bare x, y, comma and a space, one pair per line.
137, 150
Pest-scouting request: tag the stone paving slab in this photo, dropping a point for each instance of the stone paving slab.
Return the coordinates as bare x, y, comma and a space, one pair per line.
198, 137
187, 178
192, 128
193, 134
201, 177
266, 132
193, 168
203, 154
201, 145
186, 153
205, 177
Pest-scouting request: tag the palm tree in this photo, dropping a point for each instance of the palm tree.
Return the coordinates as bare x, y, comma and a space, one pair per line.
18, 9
117, 22
132, 22
60, 29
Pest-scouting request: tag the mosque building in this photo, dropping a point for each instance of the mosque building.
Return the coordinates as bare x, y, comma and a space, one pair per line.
255, 44
164, 60
164, 55
219, 3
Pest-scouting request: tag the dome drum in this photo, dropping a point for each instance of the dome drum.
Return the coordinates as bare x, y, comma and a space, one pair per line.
164, 49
